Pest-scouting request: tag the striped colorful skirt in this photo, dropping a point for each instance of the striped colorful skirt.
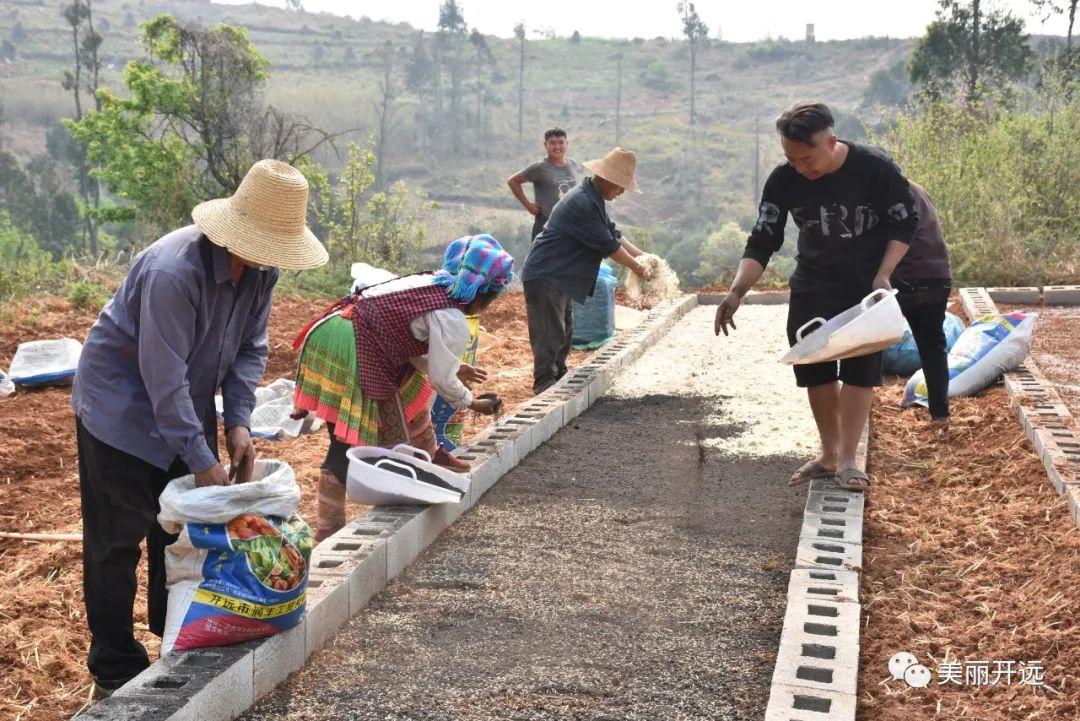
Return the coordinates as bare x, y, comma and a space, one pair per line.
328, 385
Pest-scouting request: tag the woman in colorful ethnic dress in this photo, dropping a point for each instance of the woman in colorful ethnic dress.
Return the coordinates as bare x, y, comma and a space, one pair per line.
371, 365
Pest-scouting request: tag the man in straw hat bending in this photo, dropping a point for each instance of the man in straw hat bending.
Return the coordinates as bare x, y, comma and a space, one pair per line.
189, 318
566, 256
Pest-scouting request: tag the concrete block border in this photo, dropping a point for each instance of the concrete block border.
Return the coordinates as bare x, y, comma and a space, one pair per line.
754, 297
1051, 428
817, 665
1032, 295
353, 565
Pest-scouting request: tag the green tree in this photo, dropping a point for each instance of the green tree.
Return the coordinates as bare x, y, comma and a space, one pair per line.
359, 223
1005, 182
657, 76
192, 126
37, 202
969, 50
889, 87
720, 253
696, 32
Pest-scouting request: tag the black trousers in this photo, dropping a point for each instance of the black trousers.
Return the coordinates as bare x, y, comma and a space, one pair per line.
538, 224
923, 303
863, 371
119, 508
551, 330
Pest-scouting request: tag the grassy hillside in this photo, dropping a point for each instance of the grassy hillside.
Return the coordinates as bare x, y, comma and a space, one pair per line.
569, 84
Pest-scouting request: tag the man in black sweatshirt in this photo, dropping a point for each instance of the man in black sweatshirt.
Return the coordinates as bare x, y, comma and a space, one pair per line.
856, 216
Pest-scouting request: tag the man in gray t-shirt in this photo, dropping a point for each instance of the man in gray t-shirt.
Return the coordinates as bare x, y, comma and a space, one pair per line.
552, 177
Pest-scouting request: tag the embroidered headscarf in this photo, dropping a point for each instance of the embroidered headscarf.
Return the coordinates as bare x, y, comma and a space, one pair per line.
475, 264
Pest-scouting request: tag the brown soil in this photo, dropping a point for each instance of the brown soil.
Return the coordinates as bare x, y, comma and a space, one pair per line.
1057, 352
969, 555
43, 639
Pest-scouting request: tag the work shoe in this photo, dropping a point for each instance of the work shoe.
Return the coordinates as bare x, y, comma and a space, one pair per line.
446, 459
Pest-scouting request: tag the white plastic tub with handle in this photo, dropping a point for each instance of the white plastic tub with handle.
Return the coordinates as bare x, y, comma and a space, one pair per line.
874, 324
401, 476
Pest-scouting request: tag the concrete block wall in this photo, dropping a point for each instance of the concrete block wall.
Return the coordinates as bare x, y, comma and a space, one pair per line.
353, 565
817, 664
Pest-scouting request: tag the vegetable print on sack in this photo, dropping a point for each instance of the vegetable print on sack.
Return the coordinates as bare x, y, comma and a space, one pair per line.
241, 573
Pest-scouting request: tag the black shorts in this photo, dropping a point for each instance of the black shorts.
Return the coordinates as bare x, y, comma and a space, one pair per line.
864, 371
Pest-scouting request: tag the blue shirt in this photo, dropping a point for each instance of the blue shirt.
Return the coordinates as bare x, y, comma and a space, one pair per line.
176, 330
575, 239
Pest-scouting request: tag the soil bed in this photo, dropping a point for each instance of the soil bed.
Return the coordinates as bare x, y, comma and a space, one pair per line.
43, 637
1056, 351
969, 555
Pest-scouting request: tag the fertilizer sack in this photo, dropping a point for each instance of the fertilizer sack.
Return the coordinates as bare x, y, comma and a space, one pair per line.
989, 347
239, 568
45, 362
272, 416
902, 357
594, 320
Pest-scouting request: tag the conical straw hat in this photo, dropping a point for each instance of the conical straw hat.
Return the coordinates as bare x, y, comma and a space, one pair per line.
618, 166
264, 222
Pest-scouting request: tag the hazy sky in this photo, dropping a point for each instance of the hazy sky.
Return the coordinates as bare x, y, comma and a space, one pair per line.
738, 21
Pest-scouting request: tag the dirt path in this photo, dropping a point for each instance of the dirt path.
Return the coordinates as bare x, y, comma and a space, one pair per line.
631, 568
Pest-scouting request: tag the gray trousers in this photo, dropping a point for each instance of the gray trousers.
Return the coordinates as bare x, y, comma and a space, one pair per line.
551, 328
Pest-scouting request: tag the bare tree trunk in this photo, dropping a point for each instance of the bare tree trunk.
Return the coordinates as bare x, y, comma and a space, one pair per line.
521, 94
93, 198
455, 107
757, 158
1068, 38
692, 68
438, 77
973, 60
618, 100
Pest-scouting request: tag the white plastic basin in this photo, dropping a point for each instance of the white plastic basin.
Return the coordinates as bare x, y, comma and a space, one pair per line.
874, 324
401, 476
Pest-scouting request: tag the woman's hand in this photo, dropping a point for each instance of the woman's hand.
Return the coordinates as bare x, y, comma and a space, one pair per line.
468, 374
488, 405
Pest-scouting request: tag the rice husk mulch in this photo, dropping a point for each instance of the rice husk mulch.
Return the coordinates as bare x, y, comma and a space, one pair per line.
969, 555
645, 294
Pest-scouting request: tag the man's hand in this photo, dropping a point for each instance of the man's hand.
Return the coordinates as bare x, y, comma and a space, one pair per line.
725, 314
644, 272
488, 405
468, 374
215, 475
881, 282
241, 452
533, 208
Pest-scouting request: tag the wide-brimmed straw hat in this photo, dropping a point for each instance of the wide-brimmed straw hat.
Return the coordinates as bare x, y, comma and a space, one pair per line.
618, 166
264, 221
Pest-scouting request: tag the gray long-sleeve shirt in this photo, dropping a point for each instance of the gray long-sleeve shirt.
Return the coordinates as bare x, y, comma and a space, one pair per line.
176, 330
